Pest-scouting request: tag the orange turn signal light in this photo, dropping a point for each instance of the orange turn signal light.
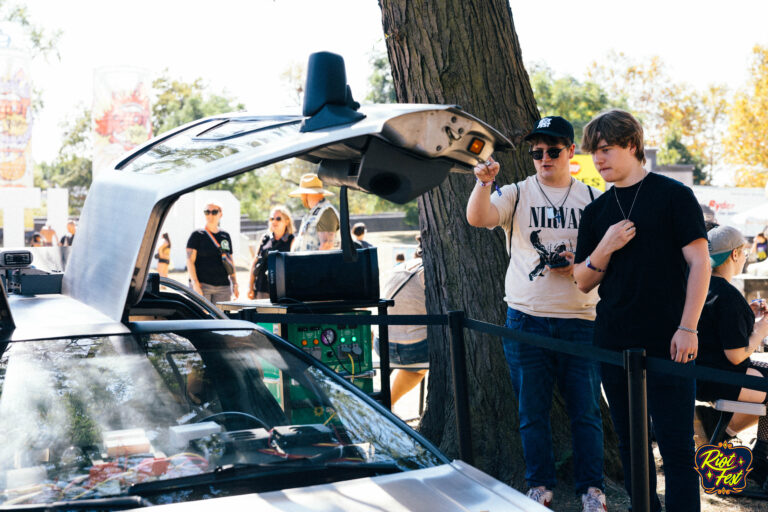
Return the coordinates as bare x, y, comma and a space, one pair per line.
476, 146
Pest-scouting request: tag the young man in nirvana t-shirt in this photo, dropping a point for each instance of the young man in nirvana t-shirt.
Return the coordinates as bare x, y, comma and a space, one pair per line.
644, 244
541, 216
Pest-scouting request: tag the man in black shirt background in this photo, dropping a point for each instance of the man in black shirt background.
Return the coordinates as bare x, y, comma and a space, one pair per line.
644, 244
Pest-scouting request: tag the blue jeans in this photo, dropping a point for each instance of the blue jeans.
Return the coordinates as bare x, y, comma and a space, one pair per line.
671, 406
533, 371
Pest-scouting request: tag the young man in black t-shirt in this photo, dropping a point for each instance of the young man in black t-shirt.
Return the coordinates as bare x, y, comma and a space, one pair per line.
644, 244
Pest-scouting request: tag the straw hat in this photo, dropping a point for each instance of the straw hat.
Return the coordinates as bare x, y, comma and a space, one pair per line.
310, 184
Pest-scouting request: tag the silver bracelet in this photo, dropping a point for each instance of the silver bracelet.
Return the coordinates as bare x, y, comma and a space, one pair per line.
692, 331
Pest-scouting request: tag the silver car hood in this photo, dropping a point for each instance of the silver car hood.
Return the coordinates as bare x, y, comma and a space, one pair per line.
448, 488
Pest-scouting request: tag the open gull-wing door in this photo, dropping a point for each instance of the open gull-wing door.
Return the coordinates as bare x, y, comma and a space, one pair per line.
396, 151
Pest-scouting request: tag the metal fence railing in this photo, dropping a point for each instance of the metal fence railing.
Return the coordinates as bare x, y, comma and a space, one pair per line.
634, 361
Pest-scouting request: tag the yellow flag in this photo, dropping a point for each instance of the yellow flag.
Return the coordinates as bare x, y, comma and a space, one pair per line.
583, 169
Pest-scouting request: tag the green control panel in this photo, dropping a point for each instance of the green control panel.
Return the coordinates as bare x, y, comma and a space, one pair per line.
344, 348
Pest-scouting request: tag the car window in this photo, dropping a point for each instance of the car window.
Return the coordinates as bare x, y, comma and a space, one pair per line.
201, 144
103, 416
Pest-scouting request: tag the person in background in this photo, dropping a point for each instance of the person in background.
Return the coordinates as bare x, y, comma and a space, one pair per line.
407, 343
66, 240
399, 258
320, 225
643, 246
760, 247
209, 259
541, 217
359, 231
279, 237
48, 236
730, 330
36, 240
163, 255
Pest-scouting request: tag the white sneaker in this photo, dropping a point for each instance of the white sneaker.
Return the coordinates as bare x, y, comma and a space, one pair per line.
593, 501
540, 495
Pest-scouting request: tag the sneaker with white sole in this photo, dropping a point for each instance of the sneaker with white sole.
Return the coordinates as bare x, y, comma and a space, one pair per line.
540, 495
593, 501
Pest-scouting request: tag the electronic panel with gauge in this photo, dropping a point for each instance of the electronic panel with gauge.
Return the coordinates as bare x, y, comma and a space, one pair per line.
345, 348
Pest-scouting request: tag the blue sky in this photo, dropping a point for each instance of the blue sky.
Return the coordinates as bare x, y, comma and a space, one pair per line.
241, 47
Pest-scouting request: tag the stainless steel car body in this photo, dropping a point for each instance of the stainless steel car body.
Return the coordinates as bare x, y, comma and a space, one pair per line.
125, 207
448, 488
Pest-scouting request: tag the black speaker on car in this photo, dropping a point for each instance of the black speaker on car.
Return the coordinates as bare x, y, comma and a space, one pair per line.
322, 275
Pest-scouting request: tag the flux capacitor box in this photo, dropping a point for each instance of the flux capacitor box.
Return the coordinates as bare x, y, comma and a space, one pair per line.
344, 347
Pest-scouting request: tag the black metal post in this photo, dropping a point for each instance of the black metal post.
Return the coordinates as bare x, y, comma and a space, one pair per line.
386, 395
460, 391
634, 364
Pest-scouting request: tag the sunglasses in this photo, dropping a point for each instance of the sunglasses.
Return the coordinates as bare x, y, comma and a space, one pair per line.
211, 212
538, 154
278, 219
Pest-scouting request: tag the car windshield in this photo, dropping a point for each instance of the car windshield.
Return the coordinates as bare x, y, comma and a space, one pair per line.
97, 417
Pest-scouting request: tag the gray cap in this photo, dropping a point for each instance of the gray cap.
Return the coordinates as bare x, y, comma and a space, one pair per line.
722, 241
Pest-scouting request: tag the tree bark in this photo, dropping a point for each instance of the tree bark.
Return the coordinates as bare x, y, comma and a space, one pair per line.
466, 52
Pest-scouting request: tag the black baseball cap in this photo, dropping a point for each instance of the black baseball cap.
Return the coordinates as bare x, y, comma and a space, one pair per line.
554, 126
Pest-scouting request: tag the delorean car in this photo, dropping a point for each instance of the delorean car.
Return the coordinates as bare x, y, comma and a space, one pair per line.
102, 408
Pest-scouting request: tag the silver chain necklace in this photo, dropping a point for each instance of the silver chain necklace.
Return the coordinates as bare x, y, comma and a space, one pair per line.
553, 212
616, 195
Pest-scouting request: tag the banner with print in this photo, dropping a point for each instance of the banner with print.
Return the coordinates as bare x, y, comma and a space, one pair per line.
122, 119
583, 169
15, 119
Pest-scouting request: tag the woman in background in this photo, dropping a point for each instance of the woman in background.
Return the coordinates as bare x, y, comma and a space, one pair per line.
760, 247
279, 237
163, 255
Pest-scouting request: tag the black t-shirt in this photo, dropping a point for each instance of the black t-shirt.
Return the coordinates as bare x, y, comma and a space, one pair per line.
726, 322
208, 264
643, 291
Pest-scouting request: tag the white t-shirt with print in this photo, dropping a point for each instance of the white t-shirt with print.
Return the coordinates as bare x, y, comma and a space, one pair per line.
537, 236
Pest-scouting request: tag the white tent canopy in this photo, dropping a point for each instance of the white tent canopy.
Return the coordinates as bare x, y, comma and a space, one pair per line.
756, 217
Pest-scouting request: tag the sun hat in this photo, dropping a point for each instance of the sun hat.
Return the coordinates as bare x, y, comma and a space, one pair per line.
310, 184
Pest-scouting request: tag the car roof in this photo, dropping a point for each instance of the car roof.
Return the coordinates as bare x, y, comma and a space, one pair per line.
126, 206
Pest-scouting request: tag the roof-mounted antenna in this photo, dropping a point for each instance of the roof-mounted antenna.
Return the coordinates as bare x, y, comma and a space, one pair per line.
327, 97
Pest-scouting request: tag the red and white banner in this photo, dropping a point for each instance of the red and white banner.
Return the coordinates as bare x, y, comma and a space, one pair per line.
122, 119
15, 119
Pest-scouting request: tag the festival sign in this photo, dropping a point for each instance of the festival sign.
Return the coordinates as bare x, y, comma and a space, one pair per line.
15, 119
122, 119
583, 169
723, 468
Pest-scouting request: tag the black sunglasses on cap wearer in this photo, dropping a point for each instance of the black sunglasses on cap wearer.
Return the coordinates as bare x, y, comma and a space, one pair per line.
211, 212
538, 154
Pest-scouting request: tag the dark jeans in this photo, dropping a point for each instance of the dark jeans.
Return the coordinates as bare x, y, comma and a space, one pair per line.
671, 406
533, 371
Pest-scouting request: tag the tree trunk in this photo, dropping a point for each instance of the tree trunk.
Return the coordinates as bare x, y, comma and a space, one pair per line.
466, 52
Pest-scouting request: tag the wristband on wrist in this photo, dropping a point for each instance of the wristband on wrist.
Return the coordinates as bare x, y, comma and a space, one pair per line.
486, 183
591, 266
686, 329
